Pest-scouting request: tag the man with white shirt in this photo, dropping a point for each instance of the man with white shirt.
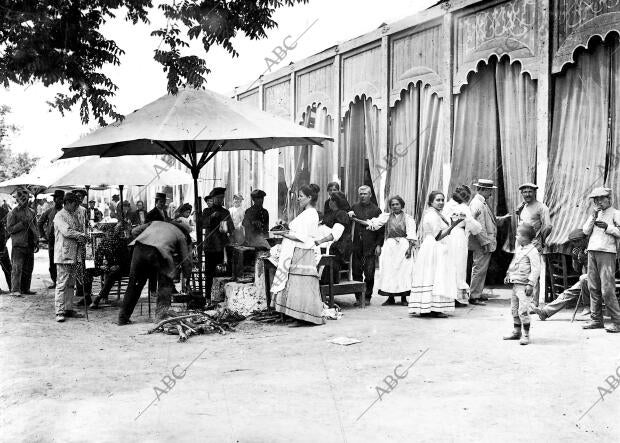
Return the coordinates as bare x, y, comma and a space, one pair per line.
603, 227
483, 244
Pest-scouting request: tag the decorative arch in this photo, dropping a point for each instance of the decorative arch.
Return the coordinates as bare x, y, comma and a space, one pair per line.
526, 68
318, 99
415, 83
566, 55
423, 75
364, 90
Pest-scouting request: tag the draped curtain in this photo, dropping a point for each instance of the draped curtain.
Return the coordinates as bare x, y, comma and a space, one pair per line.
321, 163
581, 154
495, 134
360, 141
415, 151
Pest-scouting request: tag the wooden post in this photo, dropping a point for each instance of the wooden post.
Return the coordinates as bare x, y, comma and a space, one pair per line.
447, 119
543, 107
337, 121
385, 115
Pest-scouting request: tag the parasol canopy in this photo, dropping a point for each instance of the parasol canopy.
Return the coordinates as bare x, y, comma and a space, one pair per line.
209, 119
130, 171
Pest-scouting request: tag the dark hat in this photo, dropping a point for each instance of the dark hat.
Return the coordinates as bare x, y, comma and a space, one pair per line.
528, 185
59, 193
217, 191
126, 203
92, 201
184, 207
161, 196
485, 184
79, 191
207, 197
258, 193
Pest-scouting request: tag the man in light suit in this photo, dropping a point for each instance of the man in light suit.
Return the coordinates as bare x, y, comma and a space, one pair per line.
483, 244
70, 239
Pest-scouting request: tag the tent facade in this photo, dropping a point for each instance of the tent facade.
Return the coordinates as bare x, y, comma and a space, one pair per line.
515, 91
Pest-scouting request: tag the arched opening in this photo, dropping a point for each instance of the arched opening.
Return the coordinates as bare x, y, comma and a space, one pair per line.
361, 157
302, 165
414, 163
495, 138
584, 151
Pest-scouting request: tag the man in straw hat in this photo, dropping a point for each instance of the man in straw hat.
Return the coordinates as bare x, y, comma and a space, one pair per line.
46, 229
483, 244
603, 227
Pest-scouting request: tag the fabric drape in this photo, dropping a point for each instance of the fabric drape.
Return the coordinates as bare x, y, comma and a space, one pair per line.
416, 155
361, 143
516, 105
431, 153
578, 145
404, 146
495, 133
321, 163
475, 145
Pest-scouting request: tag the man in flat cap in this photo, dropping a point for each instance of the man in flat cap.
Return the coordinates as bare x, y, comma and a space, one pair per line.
158, 213
483, 244
603, 227
535, 213
21, 225
46, 229
256, 221
218, 226
577, 242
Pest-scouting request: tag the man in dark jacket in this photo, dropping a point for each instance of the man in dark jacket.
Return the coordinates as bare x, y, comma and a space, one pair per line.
93, 213
256, 221
160, 247
158, 213
366, 243
46, 230
218, 225
22, 226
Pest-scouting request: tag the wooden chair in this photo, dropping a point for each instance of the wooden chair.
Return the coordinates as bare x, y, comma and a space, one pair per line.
560, 275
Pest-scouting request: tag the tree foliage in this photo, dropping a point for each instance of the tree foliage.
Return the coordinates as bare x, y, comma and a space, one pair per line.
60, 42
11, 165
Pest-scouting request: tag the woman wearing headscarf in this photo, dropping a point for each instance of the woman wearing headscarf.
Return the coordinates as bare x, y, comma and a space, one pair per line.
458, 207
295, 286
396, 259
434, 275
339, 224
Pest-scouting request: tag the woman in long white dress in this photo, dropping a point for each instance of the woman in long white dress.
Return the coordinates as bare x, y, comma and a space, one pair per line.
295, 286
458, 207
434, 275
396, 259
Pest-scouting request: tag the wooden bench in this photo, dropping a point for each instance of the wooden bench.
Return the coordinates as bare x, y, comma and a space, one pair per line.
329, 290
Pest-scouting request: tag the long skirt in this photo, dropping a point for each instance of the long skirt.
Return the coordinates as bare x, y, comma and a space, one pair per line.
434, 279
301, 296
457, 247
396, 270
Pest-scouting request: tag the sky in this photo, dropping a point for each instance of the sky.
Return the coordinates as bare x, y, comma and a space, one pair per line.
43, 132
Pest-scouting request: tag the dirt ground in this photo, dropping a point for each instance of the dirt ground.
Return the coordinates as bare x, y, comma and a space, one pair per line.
94, 381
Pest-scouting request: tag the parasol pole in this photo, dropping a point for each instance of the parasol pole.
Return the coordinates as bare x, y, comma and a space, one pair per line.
195, 171
120, 189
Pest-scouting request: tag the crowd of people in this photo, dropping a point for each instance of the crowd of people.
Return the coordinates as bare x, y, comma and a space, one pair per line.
425, 267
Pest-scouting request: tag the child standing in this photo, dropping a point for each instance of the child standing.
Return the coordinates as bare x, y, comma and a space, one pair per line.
523, 273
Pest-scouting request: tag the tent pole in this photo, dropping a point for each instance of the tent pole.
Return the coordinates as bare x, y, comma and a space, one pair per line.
199, 238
